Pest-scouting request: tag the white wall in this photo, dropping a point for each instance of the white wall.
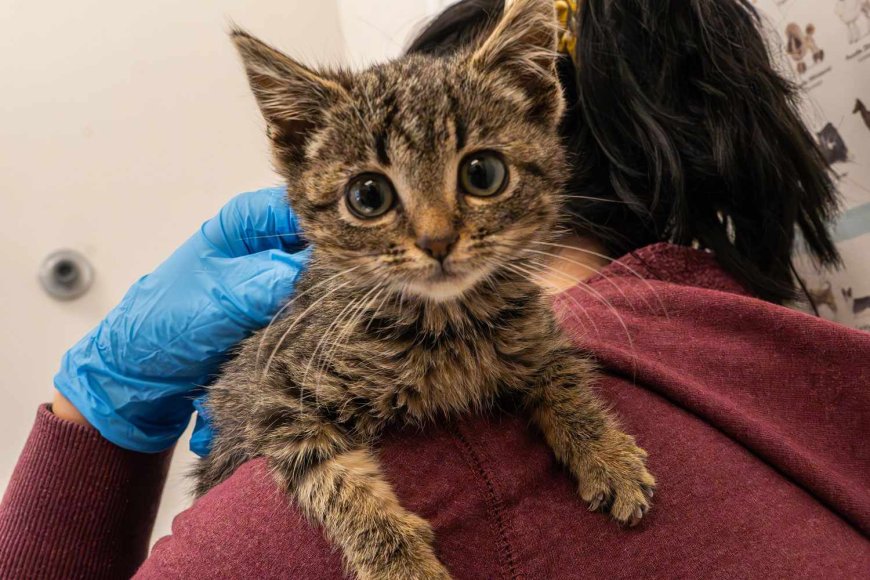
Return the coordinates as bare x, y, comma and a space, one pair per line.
375, 30
123, 126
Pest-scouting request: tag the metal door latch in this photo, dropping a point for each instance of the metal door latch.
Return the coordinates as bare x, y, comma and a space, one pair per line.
66, 274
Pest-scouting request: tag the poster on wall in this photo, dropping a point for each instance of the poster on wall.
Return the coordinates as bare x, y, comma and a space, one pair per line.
826, 46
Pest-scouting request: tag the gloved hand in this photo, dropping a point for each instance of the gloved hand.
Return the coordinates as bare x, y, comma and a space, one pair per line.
135, 376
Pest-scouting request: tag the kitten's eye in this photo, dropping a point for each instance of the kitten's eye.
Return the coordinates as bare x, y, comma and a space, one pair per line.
370, 196
483, 174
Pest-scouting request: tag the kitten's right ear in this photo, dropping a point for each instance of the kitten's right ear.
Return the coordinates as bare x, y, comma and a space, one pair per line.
524, 45
291, 96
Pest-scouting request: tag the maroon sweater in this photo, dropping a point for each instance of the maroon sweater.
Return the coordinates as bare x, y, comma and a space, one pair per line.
756, 419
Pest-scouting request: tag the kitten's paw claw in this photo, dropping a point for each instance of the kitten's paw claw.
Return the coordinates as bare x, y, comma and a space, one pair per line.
617, 480
637, 516
597, 502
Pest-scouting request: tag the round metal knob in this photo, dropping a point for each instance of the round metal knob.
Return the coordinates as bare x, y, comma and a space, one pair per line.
66, 275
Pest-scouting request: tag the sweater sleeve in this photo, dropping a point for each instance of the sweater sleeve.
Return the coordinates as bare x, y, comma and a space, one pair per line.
78, 506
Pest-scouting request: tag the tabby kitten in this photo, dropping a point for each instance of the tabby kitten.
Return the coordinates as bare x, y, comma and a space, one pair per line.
421, 184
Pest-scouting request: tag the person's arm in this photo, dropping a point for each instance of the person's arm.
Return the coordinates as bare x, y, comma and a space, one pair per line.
84, 494
243, 528
77, 505
63, 409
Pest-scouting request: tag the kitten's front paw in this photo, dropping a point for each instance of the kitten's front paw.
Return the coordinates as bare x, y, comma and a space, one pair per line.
428, 568
614, 479
422, 565
411, 557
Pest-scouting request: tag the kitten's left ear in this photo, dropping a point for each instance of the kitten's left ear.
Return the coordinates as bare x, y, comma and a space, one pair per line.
524, 45
292, 97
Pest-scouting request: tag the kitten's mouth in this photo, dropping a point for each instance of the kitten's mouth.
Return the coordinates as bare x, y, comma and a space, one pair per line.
445, 282
443, 272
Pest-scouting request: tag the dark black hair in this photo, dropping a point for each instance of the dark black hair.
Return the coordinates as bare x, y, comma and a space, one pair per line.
682, 128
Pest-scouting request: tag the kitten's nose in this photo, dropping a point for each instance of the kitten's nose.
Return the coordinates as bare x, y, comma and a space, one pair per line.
438, 246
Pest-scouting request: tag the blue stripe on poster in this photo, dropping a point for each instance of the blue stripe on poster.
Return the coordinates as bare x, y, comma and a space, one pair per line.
853, 223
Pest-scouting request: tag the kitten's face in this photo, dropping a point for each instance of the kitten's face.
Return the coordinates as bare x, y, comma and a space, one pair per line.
425, 175
427, 178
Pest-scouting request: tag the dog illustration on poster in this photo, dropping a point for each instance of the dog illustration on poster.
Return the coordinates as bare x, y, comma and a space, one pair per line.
861, 109
833, 147
859, 305
810, 39
796, 47
823, 296
801, 44
850, 11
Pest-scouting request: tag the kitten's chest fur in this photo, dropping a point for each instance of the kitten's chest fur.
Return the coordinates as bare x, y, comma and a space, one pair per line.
363, 360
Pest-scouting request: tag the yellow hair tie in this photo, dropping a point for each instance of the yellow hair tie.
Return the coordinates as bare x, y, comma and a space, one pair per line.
566, 10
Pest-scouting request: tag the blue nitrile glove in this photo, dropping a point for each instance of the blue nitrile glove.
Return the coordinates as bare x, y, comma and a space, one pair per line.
135, 376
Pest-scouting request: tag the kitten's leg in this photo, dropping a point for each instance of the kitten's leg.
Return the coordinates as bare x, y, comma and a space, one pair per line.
217, 466
349, 497
609, 467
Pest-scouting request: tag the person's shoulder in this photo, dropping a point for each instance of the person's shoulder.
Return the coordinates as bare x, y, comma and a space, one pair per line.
673, 264
455, 475
665, 291
243, 528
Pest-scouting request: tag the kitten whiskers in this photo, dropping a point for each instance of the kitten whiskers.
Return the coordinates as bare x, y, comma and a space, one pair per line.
618, 262
291, 302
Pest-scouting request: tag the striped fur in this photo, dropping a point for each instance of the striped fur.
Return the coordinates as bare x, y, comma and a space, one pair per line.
376, 335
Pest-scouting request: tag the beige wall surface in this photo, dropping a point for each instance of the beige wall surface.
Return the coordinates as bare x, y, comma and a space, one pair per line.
123, 126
